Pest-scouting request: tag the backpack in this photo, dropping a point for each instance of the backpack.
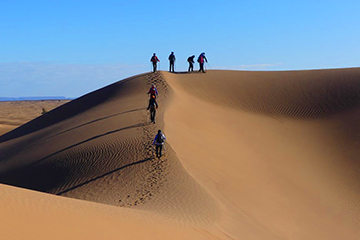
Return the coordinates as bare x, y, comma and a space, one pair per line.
159, 138
153, 59
152, 104
152, 91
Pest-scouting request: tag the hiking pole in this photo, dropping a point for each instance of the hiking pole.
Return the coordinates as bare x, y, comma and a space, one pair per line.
209, 65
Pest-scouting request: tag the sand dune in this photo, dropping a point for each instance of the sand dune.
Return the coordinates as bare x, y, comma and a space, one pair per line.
16, 113
250, 155
32, 215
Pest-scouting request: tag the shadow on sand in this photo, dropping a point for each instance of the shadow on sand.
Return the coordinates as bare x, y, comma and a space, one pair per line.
103, 175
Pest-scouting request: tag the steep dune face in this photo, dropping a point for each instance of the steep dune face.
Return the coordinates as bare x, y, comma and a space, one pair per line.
249, 155
98, 148
296, 94
279, 150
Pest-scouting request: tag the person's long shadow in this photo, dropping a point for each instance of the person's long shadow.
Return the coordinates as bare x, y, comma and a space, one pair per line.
103, 175
88, 140
5, 155
96, 120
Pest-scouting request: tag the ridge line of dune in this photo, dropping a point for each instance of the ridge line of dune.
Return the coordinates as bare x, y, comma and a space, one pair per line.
292, 94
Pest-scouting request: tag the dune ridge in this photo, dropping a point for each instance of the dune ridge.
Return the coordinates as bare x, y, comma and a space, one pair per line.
296, 94
103, 154
285, 174
250, 155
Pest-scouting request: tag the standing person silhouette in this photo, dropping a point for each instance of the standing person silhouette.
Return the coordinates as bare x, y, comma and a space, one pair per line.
172, 62
201, 60
154, 59
191, 63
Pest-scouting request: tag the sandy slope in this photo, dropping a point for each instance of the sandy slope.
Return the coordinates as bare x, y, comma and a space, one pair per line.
97, 148
15, 113
279, 150
32, 215
250, 155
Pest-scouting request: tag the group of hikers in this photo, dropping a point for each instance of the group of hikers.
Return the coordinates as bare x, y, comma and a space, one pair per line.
201, 60
160, 138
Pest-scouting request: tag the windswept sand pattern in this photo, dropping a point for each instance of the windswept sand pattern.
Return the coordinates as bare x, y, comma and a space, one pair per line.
105, 155
288, 142
295, 94
249, 155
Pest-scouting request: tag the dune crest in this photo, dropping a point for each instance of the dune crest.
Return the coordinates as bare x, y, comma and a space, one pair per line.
97, 148
252, 155
286, 166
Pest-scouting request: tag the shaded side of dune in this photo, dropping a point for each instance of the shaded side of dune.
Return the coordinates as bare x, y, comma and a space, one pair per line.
104, 154
73, 108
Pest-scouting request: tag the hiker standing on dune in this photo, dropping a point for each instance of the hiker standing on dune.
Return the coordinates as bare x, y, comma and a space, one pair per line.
172, 62
159, 141
201, 60
154, 59
191, 63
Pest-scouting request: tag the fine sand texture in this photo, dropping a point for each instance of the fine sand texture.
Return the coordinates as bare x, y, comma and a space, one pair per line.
15, 113
249, 155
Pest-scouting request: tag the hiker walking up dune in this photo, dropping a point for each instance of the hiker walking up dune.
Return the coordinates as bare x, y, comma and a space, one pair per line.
201, 60
159, 142
191, 63
172, 62
154, 59
153, 91
152, 107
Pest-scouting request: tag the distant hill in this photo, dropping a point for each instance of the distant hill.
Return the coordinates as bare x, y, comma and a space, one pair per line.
34, 98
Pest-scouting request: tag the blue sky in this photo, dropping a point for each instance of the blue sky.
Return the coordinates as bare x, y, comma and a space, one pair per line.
69, 48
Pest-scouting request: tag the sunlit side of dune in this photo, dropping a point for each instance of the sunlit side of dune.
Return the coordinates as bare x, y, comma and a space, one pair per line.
279, 150
249, 155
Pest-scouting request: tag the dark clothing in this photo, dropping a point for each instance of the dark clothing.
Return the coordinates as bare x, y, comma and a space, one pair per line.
201, 67
156, 138
154, 59
172, 67
159, 151
159, 145
191, 67
191, 63
172, 57
172, 62
152, 104
152, 107
152, 115
201, 60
